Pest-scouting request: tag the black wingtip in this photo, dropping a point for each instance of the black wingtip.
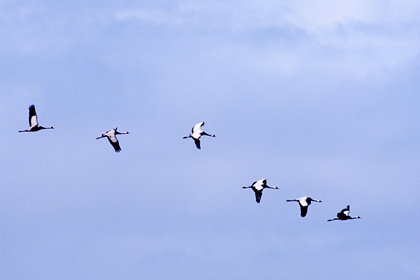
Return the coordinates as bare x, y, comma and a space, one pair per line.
32, 111
303, 211
197, 144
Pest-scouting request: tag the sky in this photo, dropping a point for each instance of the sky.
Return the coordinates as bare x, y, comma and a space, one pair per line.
320, 98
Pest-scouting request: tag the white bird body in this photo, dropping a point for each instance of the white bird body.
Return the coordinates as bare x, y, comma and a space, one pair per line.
33, 121
344, 215
304, 202
112, 138
258, 187
196, 133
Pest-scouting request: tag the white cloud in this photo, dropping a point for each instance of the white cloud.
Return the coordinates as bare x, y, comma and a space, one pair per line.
355, 39
154, 17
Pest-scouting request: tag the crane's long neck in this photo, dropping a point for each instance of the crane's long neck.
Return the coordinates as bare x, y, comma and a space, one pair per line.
205, 133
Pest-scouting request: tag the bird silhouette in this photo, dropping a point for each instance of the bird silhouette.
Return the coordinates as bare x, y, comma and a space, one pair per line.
112, 138
258, 187
344, 215
196, 133
33, 121
304, 202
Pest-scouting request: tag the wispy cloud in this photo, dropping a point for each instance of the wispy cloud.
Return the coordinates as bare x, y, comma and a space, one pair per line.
318, 97
149, 16
355, 38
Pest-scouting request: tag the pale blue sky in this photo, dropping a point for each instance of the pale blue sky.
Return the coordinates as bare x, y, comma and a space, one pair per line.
321, 98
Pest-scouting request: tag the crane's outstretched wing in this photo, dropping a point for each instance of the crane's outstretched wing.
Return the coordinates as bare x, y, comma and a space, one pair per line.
33, 118
303, 210
197, 127
115, 143
197, 143
258, 195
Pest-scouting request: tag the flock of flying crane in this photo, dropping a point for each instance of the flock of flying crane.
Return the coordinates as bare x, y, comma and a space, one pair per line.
196, 133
